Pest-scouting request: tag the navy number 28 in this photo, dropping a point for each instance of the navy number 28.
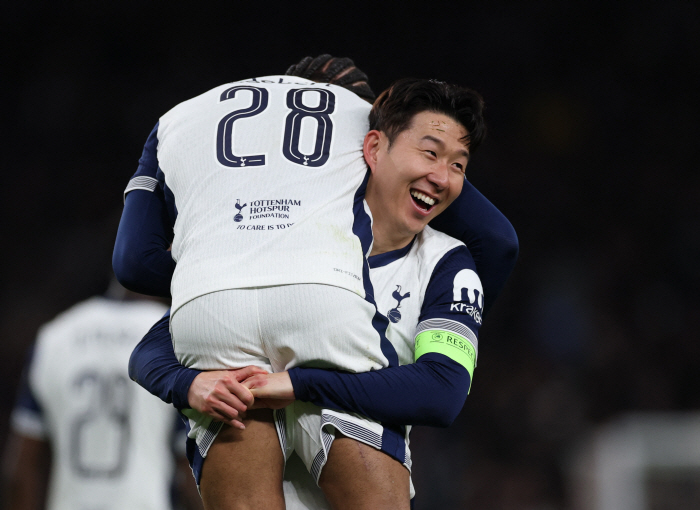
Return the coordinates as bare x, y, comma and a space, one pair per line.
292, 127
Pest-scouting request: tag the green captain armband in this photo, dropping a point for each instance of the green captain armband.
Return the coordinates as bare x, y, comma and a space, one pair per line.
452, 345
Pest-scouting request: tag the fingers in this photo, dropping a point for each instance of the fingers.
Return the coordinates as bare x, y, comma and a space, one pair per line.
221, 395
233, 394
223, 405
255, 381
225, 417
217, 392
243, 373
237, 394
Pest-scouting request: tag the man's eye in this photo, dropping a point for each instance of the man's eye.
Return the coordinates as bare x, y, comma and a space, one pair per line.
432, 153
459, 167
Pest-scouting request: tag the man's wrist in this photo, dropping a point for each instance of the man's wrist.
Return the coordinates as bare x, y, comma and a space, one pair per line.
181, 389
296, 375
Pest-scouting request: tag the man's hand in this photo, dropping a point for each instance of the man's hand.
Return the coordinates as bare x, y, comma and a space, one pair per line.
273, 391
220, 394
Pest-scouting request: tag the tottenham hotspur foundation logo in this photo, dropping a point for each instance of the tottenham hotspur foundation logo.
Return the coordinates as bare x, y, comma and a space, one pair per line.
239, 216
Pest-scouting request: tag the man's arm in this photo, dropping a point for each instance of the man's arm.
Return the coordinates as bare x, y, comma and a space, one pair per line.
25, 472
154, 366
431, 391
27, 460
141, 260
219, 394
488, 234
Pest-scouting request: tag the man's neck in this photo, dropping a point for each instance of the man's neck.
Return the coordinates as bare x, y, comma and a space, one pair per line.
386, 239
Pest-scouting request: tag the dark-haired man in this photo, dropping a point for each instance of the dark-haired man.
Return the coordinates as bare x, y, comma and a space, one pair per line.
339, 353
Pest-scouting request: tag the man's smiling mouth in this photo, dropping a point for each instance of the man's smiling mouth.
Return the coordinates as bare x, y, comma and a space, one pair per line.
423, 201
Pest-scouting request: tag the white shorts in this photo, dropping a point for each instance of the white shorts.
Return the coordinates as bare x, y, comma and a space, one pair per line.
300, 489
309, 431
278, 328
275, 328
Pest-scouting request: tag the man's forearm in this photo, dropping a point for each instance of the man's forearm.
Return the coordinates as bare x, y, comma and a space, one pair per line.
431, 391
154, 366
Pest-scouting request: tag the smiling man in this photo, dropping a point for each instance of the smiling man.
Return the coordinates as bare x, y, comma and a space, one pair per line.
417, 149
404, 193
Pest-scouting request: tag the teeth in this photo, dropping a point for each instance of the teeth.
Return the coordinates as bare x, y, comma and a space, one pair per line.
424, 198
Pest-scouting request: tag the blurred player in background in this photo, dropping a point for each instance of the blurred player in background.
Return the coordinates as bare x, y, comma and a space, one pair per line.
84, 437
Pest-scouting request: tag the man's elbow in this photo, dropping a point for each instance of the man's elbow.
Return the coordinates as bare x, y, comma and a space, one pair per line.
124, 267
443, 412
142, 277
512, 247
133, 365
507, 241
443, 416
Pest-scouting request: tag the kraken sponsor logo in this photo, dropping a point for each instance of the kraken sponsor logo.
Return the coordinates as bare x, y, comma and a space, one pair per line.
468, 279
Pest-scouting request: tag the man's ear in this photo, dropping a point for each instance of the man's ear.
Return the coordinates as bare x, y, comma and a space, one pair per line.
370, 148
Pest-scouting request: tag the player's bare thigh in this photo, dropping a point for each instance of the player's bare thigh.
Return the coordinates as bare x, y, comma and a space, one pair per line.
244, 468
357, 476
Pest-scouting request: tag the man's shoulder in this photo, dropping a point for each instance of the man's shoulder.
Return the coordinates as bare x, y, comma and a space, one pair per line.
447, 257
431, 246
73, 315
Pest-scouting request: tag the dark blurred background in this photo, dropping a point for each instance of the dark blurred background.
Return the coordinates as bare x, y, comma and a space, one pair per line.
592, 154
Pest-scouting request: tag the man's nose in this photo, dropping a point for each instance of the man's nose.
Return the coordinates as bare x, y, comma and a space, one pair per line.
439, 176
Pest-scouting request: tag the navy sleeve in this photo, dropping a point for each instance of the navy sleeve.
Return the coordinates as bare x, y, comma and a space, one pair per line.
488, 234
25, 396
141, 260
27, 417
154, 366
431, 391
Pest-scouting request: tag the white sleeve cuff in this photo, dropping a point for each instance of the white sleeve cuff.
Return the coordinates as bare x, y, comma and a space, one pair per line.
28, 423
141, 182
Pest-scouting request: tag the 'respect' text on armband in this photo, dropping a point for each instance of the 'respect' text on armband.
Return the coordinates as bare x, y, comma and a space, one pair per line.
452, 345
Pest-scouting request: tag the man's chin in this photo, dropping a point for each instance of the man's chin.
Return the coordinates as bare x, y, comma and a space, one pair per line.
417, 226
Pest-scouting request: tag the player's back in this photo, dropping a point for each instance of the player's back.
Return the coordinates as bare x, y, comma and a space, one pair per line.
264, 175
111, 441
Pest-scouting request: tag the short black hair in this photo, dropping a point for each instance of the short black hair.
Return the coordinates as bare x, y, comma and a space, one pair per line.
395, 108
336, 70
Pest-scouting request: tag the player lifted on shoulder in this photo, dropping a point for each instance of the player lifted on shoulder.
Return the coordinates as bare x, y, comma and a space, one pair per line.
423, 149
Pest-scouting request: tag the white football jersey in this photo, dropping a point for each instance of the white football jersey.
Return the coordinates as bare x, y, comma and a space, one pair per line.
112, 441
433, 285
264, 174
